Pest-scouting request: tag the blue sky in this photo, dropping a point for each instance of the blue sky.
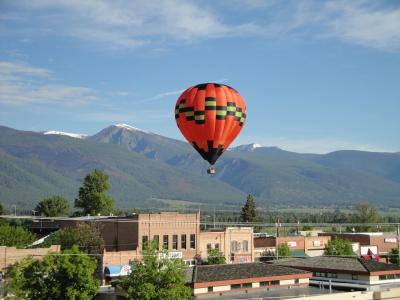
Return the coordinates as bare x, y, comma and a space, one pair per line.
317, 76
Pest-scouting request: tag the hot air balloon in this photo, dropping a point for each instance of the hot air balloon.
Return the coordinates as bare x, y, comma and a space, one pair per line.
210, 116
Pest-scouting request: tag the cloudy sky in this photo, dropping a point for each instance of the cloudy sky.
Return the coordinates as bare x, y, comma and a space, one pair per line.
317, 76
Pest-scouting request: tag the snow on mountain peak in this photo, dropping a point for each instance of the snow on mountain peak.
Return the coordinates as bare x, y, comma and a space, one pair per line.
74, 135
129, 127
246, 148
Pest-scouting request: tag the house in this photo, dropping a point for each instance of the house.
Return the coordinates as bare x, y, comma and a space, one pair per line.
218, 279
352, 273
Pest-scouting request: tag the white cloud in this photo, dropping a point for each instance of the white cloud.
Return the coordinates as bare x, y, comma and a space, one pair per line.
367, 24
24, 84
127, 24
119, 93
159, 96
130, 24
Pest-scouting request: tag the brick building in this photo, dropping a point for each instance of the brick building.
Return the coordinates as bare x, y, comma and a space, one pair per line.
383, 243
299, 245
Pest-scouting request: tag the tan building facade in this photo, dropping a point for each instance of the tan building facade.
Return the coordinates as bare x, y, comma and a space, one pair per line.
177, 233
11, 255
236, 243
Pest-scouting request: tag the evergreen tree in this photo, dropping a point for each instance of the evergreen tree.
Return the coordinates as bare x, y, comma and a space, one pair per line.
53, 206
93, 198
249, 210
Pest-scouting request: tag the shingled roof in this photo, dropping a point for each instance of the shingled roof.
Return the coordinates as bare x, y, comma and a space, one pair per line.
213, 273
336, 263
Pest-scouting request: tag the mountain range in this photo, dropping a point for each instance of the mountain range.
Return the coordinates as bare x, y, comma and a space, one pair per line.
150, 170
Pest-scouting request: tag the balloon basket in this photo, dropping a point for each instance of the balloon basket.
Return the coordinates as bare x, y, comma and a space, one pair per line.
211, 170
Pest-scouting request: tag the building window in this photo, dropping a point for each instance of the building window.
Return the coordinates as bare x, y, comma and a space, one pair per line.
183, 241
210, 289
217, 246
208, 246
189, 262
331, 275
156, 241
247, 285
245, 246
275, 282
382, 277
354, 276
165, 242
264, 283
296, 281
175, 242
235, 286
192, 241
145, 241
234, 246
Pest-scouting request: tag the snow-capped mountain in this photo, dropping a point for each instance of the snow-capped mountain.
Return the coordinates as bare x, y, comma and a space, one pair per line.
74, 135
129, 127
246, 148
137, 140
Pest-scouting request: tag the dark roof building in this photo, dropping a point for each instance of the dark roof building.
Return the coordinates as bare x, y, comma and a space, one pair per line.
242, 277
346, 272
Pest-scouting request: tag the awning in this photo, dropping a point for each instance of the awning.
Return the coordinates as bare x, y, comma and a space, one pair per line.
117, 270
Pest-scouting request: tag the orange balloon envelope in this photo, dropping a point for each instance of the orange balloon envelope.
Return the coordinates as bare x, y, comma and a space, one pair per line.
210, 116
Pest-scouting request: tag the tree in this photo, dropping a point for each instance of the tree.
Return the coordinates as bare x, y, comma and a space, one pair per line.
156, 278
92, 195
249, 210
339, 247
15, 236
65, 276
283, 251
53, 206
86, 235
394, 256
364, 213
215, 257
2, 211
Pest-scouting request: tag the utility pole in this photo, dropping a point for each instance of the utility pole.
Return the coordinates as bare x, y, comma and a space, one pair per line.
214, 218
15, 209
398, 243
